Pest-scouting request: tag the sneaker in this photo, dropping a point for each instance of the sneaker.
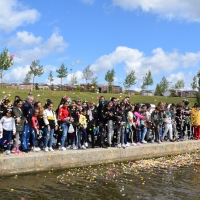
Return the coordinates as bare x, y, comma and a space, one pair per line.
50, 149
19, 152
138, 143
159, 141
86, 144
143, 142
7, 152
133, 144
75, 148
36, 149
14, 150
62, 148
127, 144
69, 147
46, 149
119, 146
123, 146
83, 147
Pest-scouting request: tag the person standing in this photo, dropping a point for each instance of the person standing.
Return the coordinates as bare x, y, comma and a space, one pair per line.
19, 123
27, 108
50, 121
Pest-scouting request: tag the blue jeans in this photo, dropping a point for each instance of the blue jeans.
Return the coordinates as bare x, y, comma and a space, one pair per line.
64, 126
84, 135
138, 128
25, 137
33, 136
48, 136
7, 137
143, 132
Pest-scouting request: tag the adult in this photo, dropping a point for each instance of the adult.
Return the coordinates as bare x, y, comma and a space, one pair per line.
28, 113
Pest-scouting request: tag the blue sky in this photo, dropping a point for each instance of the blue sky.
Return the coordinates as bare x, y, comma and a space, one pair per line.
161, 36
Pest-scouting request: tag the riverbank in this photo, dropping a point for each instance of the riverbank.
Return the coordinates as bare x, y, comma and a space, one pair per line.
41, 161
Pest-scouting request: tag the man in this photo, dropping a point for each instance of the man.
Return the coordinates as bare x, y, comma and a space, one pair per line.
28, 113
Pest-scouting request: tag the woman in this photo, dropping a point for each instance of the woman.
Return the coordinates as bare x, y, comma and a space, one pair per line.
64, 118
131, 125
110, 117
138, 124
19, 123
50, 122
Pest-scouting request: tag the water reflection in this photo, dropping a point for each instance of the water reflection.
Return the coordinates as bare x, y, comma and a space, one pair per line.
176, 177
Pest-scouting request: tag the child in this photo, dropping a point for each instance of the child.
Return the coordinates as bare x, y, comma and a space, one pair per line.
34, 129
7, 127
83, 126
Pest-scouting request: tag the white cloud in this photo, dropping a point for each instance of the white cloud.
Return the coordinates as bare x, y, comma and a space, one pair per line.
14, 14
88, 1
171, 9
16, 74
136, 60
54, 44
23, 39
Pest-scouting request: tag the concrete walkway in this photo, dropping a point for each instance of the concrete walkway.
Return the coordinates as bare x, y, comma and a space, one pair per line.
34, 162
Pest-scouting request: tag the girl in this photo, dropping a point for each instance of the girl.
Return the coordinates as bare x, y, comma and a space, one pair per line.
83, 126
50, 122
64, 117
131, 124
34, 129
7, 128
137, 122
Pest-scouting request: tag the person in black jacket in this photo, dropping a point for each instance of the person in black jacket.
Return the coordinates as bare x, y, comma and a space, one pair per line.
92, 128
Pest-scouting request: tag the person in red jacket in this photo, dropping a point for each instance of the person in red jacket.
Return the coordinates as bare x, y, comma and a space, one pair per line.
64, 117
34, 129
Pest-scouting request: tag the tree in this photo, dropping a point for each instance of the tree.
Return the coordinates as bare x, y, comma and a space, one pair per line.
74, 79
194, 83
50, 77
36, 69
147, 80
62, 72
94, 83
27, 78
130, 80
87, 73
6, 61
179, 84
109, 77
158, 91
36, 86
164, 84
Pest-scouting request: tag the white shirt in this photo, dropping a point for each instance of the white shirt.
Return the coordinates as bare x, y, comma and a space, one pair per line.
8, 124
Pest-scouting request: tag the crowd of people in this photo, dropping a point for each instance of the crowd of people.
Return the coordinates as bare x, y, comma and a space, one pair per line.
30, 126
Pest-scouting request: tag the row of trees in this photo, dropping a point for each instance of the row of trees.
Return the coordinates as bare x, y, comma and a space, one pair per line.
36, 70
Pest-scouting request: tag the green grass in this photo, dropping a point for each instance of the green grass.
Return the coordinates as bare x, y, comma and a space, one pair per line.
55, 96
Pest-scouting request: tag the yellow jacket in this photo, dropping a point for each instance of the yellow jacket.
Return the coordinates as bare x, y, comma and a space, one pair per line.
195, 117
83, 121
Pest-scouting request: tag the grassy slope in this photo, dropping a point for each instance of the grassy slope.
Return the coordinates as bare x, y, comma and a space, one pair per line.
86, 96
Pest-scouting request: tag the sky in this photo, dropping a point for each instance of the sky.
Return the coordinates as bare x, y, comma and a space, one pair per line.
157, 35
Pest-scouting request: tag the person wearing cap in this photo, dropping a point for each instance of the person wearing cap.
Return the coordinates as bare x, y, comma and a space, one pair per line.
7, 128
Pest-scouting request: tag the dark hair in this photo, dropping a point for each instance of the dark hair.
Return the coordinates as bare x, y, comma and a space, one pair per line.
84, 109
137, 107
17, 101
186, 103
17, 97
148, 105
48, 103
36, 103
35, 110
7, 110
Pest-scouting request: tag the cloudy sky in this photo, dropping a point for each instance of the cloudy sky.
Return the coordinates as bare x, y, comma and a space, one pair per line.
157, 35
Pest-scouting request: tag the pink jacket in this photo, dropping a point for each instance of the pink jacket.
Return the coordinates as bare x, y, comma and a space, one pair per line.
138, 118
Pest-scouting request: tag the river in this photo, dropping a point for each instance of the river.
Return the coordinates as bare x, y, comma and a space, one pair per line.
175, 177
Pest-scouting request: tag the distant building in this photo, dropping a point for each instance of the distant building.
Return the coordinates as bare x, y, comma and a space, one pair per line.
147, 92
104, 88
180, 93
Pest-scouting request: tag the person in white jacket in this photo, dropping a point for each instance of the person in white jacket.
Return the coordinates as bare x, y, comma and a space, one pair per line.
50, 122
7, 129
